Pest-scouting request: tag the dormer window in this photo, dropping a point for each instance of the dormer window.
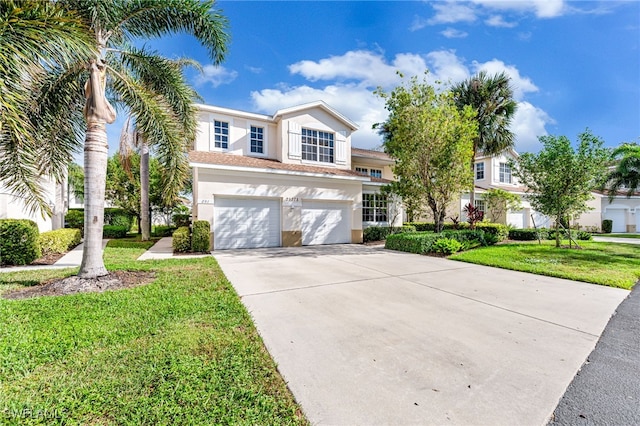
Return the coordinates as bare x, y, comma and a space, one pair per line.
317, 146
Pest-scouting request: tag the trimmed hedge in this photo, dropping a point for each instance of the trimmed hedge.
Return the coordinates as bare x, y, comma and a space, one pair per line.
114, 231
585, 236
59, 241
607, 226
18, 242
430, 226
499, 230
446, 246
201, 236
182, 240
423, 242
74, 219
181, 219
379, 233
529, 234
163, 231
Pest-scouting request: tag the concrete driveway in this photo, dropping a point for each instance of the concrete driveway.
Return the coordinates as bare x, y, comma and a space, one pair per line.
364, 335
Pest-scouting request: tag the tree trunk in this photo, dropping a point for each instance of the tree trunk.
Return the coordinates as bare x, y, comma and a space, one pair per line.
558, 231
145, 224
472, 194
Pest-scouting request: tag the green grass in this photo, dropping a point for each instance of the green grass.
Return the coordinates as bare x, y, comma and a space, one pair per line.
615, 265
618, 235
181, 350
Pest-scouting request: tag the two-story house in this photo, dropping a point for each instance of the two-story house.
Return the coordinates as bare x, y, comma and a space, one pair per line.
287, 179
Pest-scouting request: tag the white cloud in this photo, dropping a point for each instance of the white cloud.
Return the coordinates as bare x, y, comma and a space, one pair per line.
521, 85
541, 8
450, 12
528, 123
254, 70
418, 23
346, 82
453, 33
498, 21
215, 75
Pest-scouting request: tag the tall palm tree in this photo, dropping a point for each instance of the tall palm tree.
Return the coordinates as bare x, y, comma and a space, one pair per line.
626, 175
35, 37
492, 99
139, 80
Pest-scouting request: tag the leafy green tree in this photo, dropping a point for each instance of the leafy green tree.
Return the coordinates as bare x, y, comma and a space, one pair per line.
498, 202
559, 179
492, 99
431, 141
76, 180
626, 175
36, 37
139, 80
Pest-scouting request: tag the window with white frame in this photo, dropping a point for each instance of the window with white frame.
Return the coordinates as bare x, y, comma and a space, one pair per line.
317, 146
505, 173
374, 208
479, 171
220, 134
377, 173
256, 140
480, 205
362, 170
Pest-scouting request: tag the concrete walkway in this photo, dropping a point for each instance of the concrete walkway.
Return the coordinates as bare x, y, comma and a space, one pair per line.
617, 240
163, 249
368, 336
73, 259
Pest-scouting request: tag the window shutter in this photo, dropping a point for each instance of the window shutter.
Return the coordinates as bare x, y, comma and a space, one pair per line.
341, 147
295, 140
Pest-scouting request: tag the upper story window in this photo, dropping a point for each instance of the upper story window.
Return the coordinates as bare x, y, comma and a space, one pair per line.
480, 205
374, 208
256, 140
221, 134
362, 170
505, 173
369, 172
317, 146
377, 173
479, 171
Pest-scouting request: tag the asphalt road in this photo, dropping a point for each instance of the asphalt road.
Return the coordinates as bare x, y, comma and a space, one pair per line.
606, 390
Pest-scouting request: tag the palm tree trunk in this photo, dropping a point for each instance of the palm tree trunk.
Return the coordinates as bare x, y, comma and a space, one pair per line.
144, 190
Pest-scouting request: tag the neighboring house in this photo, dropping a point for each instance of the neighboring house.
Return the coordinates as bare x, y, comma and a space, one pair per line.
12, 207
287, 179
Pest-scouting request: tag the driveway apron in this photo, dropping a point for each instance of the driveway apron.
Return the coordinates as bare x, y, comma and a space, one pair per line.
365, 335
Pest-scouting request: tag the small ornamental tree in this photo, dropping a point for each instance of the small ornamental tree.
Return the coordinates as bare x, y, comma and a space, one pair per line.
559, 179
498, 202
432, 143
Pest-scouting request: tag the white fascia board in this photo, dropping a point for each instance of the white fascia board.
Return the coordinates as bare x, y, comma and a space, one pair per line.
233, 112
279, 172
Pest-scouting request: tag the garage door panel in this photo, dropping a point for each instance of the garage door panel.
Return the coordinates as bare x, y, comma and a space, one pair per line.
618, 217
325, 223
246, 223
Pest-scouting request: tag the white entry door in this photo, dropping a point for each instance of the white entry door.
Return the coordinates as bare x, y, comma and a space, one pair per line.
618, 216
516, 219
246, 223
325, 223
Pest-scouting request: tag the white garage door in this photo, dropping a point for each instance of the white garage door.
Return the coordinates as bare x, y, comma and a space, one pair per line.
246, 223
325, 223
516, 219
618, 216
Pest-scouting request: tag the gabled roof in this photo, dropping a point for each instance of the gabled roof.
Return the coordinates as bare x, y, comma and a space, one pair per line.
317, 104
369, 153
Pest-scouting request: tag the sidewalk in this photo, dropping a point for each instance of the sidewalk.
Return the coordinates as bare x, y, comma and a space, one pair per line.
163, 249
616, 240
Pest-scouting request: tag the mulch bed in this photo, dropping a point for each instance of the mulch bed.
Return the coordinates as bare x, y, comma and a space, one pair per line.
48, 259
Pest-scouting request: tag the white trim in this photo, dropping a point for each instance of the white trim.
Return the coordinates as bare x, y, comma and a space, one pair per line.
316, 104
279, 172
265, 132
234, 112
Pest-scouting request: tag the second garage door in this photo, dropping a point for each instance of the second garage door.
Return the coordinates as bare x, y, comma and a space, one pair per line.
618, 216
246, 223
325, 223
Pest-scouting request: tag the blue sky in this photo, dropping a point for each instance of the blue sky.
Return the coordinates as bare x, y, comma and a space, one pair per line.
573, 64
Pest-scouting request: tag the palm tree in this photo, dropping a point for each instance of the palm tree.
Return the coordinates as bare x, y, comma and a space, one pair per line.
35, 37
138, 79
626, 175
492, 99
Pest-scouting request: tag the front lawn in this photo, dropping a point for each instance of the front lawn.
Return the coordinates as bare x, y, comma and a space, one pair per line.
180, 350
615, 265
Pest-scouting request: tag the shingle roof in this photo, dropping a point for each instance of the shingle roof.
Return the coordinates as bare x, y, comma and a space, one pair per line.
371, 154
217, 158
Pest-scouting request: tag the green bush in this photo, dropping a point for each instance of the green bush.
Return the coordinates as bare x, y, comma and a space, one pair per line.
201, 237
114, 231
163, 231
499, 230
180, 219
379, 233
607, 226
446, 246
418, 242
74, 219
182, 240
584, 236
18, 242
59, 241
118, 217
430, 226
527, 234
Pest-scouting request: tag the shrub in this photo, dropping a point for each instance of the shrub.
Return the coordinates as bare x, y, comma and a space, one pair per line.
59, 241
74, 219
181, 240
118, 217
499, 230
469, 238
379, 233
180, 219
527, 234
18, 242
474, 215
201, 237
418, 242
446, 246
114, 231
163, 231
607, 226
430, 226
584, 236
